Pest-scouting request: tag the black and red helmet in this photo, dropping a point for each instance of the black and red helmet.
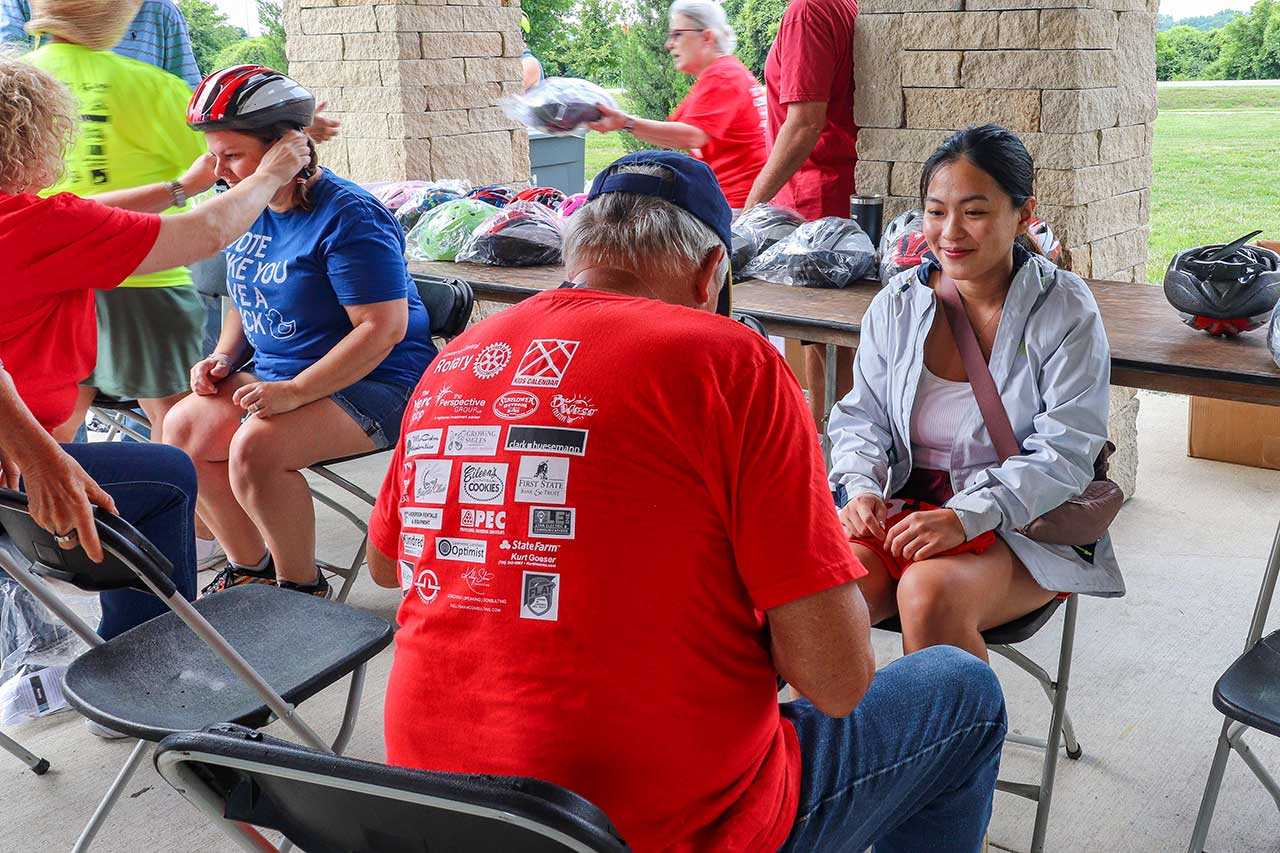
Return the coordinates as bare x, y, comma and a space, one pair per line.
549, 197
1224, 289
249, 97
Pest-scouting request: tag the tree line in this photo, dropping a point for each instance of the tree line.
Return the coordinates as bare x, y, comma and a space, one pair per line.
1245, 47
217, 43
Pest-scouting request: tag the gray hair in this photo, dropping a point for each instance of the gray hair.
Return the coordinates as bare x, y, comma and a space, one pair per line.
640, 233
710, 16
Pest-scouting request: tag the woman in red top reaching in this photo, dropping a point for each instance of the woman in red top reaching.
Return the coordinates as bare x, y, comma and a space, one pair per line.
721, 120
57, 252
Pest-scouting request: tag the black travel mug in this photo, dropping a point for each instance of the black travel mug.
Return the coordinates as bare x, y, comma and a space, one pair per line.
868, 212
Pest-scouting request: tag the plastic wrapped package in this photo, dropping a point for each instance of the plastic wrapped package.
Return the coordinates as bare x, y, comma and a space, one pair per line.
757, 230
394, 194
548, 196
495, 194
1273, 336
441, 232
1042, 233
428, 197
570, 205
902, 246
558, 106
35, 649
523, 234
829, 252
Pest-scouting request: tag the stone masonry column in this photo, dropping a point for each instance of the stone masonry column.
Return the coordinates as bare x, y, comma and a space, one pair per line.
416, 85
1074, 78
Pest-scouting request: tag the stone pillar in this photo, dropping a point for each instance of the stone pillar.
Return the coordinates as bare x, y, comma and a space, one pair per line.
416, 85
1074, 78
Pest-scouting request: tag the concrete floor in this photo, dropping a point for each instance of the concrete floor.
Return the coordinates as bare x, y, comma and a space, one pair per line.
1192, 544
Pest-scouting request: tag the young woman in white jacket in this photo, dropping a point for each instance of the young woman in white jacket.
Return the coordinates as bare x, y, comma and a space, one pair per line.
911, 428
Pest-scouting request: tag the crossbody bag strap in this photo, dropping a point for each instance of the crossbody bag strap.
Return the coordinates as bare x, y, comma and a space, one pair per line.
975, 365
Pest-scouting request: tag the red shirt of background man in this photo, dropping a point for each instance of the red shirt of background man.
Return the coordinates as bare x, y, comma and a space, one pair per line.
699, 501
56, 252
812, 60
727, 104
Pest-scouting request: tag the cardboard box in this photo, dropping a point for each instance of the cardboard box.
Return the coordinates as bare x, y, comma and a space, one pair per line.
1241, 433
795, 358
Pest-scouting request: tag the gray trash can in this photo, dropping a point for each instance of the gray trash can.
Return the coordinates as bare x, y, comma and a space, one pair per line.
558, 161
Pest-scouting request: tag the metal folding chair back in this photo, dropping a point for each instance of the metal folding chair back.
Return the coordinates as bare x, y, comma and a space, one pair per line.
1248, 695
323, 803
180, 671
1061, 735
449, 303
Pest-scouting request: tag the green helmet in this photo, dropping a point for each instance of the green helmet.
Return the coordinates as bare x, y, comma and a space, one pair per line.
442, 231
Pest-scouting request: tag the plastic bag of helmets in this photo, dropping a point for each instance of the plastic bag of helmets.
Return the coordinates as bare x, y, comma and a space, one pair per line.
759, 229
441, 232
522, 234
902, 246
829, 252
428, 198
1226, 289
558, 106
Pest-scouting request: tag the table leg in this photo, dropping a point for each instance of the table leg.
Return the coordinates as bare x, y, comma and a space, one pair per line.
829, 399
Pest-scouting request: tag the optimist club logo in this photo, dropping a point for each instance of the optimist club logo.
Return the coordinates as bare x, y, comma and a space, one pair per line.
492, 360
427, 585
462, 550
572, 409
540, 598
544, 363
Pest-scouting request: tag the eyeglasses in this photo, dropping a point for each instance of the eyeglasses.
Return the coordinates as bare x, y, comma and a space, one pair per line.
672, 35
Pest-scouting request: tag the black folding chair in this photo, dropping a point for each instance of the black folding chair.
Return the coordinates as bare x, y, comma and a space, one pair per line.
35, 763
449, 303
1248, 695
323, 803
245, 655
1001, 640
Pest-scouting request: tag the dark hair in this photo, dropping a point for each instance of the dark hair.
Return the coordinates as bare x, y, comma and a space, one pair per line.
994, 150
274, 133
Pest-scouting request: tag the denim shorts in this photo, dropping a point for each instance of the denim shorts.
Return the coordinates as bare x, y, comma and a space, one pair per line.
377, 407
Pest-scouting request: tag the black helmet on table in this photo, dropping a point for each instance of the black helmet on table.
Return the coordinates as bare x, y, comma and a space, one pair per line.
757, 230
1224, 289
829, 252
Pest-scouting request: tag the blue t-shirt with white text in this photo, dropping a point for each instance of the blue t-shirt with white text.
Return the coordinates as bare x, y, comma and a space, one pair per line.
292, 273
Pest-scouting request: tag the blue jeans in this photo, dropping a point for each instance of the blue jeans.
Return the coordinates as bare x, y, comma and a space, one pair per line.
912, 768
154, 487
378, 407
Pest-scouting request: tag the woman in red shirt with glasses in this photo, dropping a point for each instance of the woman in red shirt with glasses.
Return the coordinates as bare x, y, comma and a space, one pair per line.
721, 120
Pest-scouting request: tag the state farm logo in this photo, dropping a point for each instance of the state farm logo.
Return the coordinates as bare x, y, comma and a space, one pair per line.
514, 405
464, 550
452, 406
572, 409
492, 360
479, 579
544, 363
483, 483
483, 521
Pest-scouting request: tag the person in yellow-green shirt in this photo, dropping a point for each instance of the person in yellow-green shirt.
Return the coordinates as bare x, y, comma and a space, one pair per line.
132, 132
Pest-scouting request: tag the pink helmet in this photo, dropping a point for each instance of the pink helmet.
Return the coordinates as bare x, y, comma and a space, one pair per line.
571, 204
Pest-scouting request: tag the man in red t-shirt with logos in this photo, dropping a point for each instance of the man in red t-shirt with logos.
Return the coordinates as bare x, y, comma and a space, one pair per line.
609, 521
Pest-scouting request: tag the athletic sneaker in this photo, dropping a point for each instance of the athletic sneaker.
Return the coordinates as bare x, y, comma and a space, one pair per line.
99, 730
209, 555
234, 575
320, 588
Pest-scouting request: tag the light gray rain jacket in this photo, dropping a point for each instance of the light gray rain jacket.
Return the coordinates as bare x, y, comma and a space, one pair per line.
1052, 365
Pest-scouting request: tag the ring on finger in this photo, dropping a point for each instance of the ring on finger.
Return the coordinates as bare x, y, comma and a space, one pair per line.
66, 538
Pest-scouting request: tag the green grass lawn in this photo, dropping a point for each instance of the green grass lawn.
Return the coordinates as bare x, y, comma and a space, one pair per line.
1212, 182
602, 149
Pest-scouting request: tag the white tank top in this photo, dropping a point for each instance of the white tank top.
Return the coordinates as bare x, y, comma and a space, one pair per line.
941, 408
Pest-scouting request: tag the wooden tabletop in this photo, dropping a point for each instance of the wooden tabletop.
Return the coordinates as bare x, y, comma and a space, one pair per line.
1150, 347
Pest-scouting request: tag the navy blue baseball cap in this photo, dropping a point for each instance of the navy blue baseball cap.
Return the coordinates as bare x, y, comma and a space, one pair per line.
689, 184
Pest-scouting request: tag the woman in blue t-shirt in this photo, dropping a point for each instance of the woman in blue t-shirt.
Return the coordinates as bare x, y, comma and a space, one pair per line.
338, 336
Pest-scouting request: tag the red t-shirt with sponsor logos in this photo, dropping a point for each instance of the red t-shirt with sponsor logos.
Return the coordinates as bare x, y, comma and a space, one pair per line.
727, 104
594, 500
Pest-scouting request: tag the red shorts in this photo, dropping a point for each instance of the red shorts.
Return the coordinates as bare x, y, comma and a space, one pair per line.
900, 508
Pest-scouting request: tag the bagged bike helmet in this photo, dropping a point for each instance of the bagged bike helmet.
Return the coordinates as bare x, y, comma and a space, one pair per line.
558, 105
902, 246
1040, 231
441, 232
522, 234
571, 204
757, 230
426, 199
394, 194
498, 196
1273, 337
1224, 289
831, 252
249, 97
911, 220
550, 197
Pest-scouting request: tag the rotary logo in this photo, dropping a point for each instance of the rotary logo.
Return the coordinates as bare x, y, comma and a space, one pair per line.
570, 410
492, 360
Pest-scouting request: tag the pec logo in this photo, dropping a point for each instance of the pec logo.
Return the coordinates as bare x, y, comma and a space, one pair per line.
484, 520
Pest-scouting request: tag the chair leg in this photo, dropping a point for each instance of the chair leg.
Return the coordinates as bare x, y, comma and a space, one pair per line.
1248, 756
351, 711
1055, 727
1210, 799
352, 572
113, 794
37, 765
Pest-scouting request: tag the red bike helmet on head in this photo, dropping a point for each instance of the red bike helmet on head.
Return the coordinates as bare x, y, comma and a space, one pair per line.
249, 97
